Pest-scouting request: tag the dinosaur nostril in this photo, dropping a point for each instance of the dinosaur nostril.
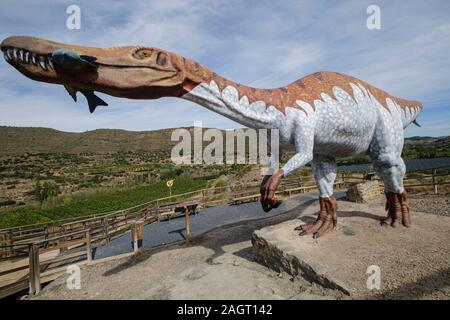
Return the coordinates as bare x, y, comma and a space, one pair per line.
161, 59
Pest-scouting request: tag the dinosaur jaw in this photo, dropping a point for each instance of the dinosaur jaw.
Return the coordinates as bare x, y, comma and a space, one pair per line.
127, 72
33, 64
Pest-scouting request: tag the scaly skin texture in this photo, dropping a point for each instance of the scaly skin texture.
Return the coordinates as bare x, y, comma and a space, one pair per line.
323, 115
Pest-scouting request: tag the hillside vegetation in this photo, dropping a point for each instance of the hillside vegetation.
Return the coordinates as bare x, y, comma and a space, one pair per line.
94, 201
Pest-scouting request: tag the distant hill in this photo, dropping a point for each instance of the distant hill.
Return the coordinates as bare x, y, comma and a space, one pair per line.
426, 147
19, 140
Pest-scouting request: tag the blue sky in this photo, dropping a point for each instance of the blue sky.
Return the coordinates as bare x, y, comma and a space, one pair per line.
259, 43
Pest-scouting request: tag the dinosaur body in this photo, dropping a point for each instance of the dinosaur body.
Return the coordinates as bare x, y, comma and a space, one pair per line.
324, 115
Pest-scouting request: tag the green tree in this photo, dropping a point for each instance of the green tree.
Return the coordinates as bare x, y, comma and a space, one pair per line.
38, 192
48, 189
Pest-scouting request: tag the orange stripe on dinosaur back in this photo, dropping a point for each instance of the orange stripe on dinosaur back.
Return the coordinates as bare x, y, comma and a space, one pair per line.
307, 89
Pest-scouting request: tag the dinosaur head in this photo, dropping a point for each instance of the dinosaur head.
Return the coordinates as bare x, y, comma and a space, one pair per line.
129, 72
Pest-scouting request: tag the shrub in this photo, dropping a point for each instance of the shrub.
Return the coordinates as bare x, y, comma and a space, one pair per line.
7, 202
48, 189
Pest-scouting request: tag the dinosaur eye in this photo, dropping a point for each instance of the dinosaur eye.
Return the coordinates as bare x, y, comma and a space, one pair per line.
142, 54
161, 59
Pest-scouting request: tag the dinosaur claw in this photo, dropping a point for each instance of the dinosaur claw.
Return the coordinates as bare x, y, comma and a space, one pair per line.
302, 233
316, 235
298, 228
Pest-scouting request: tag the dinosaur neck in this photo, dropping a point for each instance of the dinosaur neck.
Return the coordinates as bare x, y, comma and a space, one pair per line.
249, 106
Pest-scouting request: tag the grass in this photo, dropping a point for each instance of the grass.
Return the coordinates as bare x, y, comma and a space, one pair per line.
95, 201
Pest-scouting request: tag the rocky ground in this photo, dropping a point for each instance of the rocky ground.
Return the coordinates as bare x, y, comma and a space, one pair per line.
431, 203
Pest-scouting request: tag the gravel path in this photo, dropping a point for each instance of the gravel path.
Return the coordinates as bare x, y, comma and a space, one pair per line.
430, 203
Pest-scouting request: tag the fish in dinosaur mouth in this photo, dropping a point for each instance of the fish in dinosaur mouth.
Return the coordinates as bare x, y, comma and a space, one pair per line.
63, 60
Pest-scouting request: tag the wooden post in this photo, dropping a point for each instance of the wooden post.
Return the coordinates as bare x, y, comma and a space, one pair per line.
188, 223
9, 241
435, 186
34, 276
88, 246
135, 238
105, 229
137, 234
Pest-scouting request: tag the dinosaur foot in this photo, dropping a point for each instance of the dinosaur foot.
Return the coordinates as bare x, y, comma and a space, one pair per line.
326, 221
398, 210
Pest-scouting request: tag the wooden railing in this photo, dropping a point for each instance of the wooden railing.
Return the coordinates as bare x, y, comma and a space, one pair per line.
44, 260
413, 182
113, 223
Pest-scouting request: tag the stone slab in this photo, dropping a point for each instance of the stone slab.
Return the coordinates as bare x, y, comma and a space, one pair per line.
414, 262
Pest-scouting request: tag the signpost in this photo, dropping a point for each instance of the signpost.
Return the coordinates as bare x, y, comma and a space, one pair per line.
169, 185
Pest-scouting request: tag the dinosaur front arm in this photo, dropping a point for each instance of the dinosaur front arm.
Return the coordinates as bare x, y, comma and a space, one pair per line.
296, 162
270, 183
268, 188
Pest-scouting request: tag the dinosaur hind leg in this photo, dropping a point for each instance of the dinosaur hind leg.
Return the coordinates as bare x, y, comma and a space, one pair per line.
391, 169
325, 174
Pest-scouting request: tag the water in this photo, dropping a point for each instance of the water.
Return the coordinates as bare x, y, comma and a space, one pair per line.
411, 165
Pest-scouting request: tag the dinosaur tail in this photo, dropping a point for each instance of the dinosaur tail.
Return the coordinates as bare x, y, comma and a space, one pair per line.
410, 110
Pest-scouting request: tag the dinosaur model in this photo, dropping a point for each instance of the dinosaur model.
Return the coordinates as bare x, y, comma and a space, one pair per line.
323, 115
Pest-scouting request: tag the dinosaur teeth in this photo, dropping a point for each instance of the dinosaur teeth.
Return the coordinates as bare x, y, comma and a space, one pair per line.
24, 56
42, 63
50, 63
